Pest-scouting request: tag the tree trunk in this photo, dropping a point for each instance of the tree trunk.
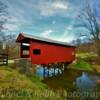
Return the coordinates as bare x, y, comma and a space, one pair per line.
98, 51
97, 44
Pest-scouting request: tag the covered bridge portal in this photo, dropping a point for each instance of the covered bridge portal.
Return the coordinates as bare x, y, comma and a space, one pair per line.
45, 51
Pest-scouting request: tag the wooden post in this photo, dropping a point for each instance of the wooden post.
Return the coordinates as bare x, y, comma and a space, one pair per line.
58, 68
7, 54
7, 59
51, 65
63, 66
54, 69
21, 51
48, 70
44, 71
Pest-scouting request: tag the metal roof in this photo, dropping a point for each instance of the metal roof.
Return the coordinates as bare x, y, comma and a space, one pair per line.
45, 39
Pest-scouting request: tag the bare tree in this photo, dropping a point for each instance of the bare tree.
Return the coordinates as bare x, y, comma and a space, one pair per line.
90, 19
7, 41
3, 20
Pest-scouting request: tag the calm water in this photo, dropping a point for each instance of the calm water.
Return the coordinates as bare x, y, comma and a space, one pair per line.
70, 79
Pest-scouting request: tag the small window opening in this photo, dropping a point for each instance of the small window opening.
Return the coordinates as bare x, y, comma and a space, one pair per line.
25, 52
36, 52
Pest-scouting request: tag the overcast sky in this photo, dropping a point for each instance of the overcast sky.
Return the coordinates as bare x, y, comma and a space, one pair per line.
53, 19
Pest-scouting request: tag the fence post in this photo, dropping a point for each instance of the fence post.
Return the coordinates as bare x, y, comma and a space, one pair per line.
3, 59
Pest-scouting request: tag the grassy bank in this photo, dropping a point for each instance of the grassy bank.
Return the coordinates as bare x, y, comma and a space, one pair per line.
16, 86
86, 62
81, 65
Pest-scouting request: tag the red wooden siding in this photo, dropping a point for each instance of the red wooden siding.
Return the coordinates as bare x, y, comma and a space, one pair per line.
51, 53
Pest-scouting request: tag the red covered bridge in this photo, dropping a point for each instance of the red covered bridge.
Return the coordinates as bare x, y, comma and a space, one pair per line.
45, 51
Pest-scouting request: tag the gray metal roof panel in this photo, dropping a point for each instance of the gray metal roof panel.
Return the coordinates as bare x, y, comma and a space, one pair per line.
46, 39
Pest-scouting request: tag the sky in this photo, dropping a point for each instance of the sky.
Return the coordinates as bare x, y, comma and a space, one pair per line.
54, 19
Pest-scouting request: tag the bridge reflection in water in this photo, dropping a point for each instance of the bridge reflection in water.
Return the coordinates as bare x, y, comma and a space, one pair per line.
69, 79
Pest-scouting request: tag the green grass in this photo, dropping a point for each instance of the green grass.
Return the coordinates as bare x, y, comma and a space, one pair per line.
85, 61
85, 55
12, 78
96, 68
16, 86
82, 65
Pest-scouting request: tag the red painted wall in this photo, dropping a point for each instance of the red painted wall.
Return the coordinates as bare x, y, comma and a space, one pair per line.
51, 53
